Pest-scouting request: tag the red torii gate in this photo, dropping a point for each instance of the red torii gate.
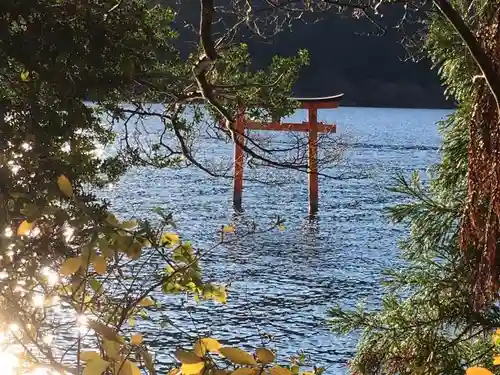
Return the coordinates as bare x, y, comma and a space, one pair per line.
312, 126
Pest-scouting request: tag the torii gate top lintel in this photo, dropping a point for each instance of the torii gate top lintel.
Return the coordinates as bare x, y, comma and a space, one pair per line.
312, 126
320, 102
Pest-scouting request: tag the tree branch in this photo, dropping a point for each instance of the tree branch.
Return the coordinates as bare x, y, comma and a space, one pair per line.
483, 61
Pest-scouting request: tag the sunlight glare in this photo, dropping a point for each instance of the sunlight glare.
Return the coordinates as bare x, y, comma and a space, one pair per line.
82, 324
8, 232
8, 363
38, 300
68, 233
52, 277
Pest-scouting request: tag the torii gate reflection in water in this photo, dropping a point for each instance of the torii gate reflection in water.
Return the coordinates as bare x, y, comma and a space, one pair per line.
312, 126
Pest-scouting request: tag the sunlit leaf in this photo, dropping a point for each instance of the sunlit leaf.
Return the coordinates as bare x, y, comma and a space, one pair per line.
130, 224
112, 348
146, 302
96, 285
238, 356
169, 239
278, 370
478, 371
264, 355
25, 76
111, 219
65, 185
24, 228
126, 368
227, 229
100, 265
220, 294
96, 367
185, 356
89, 355
136, 339
192, 368
132, 368
199, 349
211, 344
148, 361
70, 266
245, 371
105, 331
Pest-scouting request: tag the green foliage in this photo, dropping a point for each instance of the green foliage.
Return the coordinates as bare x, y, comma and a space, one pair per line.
427, 323
62, 251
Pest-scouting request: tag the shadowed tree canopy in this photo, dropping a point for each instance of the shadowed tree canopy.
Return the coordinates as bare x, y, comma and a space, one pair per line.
348, 53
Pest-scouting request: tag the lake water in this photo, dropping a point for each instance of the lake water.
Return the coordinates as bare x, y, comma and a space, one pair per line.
282, 284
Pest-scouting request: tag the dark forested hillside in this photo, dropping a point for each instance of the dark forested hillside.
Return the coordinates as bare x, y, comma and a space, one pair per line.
369, 69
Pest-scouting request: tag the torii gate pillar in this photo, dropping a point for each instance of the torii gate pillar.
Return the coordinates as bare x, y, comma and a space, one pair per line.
311, 126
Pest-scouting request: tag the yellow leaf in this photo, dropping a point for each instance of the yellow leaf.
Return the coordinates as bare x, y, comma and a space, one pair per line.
238, 356
169, 239
136, 339
89, 355
126, 368
212, 345
131, 224
199, 349
100, 265
264, 355
96, 367
228, 229
496, 360
220, 294
70, 266
185, 356
65, 185
105, 331
278, 370
146, 302
24, 228
478, 371
192, 368
112, 348
281, 227
148, 361
245, 371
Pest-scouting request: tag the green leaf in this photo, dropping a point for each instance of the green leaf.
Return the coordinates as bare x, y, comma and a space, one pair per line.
25, 76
